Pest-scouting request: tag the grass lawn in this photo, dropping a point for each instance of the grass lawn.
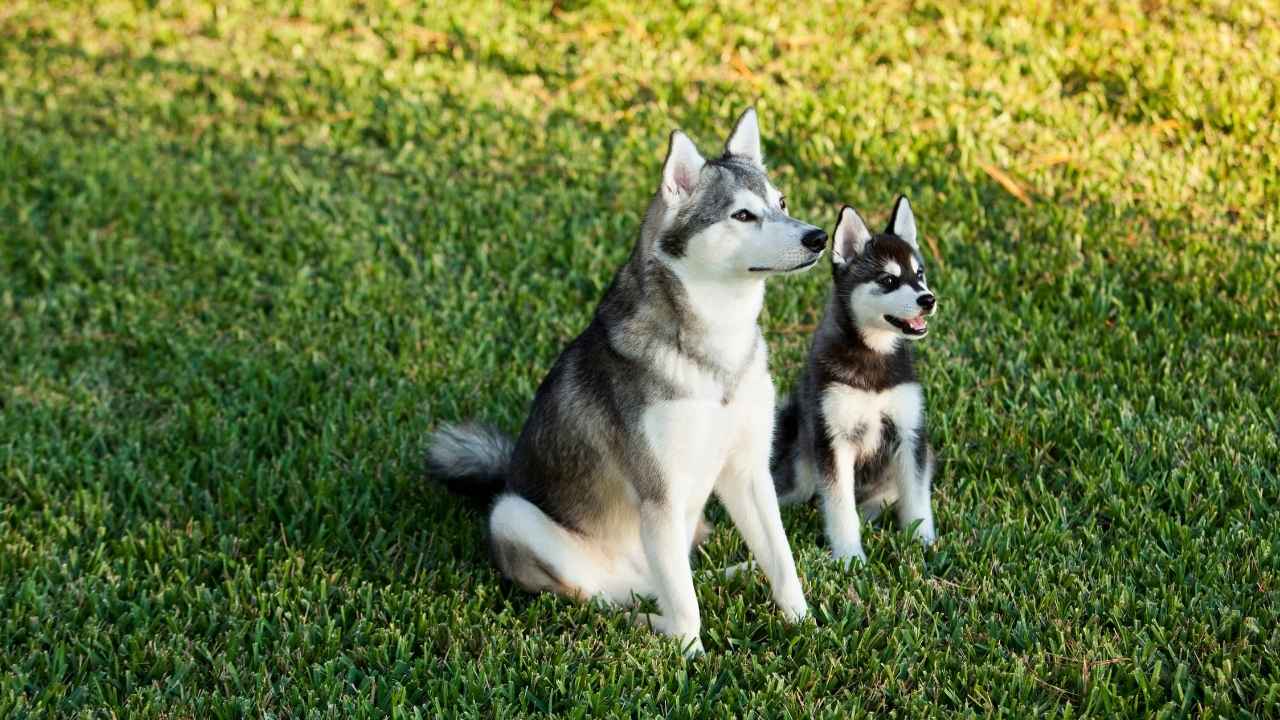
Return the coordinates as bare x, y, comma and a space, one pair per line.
252, 252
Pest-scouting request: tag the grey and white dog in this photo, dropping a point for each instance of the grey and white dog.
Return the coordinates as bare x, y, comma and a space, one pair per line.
854, 429
664, 399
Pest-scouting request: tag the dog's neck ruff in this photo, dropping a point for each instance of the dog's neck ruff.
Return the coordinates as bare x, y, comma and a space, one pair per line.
723, 306
700, 336
718, 325
881, 342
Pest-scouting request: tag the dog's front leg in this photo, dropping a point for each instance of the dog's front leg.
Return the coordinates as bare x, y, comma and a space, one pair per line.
749, 496
913, 467
666, 547
839, 506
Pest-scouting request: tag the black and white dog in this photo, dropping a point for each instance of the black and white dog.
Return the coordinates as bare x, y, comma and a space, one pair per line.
854, 429
664, 399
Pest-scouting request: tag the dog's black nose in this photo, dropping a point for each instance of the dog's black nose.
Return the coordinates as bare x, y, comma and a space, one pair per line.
927, 301
815, 239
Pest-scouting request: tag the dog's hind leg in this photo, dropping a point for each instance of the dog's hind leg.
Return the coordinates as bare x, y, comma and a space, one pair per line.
873, 499
538, 553
795, 478
541, 555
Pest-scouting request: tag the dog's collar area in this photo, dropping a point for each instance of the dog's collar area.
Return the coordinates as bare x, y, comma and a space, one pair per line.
905, 327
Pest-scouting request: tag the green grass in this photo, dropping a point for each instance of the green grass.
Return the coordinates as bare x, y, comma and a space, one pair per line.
251, 253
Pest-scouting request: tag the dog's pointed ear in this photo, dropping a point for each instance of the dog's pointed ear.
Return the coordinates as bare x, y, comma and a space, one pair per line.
745, 140
681, 169
850, 237
903, 221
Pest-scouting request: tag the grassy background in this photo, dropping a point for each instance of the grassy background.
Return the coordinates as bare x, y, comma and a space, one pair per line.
250, 253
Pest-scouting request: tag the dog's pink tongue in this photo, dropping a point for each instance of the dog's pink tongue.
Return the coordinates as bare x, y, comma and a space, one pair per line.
917, 323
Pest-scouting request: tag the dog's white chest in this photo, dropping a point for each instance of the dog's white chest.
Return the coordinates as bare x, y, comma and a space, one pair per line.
857, 416
688, 440
692, 437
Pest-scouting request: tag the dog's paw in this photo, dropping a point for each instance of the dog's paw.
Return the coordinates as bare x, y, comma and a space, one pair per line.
690, 643
650, 621
693, 648
790, 599
925, 533
795, 613
851, 556
733, 571
703, 531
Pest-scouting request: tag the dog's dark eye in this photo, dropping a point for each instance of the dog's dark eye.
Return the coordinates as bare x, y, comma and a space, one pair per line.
920, 274
744, 216
782, 203
887, 281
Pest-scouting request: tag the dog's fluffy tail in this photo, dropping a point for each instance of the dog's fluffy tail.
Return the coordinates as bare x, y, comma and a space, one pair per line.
470, 459
786, 430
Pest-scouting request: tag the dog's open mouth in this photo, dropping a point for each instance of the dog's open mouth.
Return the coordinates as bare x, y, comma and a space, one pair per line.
911, 326
801, 266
